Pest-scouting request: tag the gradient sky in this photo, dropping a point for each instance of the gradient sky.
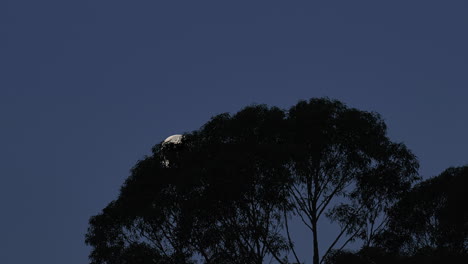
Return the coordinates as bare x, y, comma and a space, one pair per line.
88, 87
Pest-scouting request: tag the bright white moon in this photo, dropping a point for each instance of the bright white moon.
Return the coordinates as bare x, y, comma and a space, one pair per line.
175, 139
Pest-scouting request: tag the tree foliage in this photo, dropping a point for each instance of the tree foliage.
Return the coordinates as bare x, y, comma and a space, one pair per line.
345, 167
433, 216
208, 198
226, 192
427, 225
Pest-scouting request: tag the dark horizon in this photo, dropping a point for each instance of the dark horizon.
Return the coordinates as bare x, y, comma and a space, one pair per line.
87, 89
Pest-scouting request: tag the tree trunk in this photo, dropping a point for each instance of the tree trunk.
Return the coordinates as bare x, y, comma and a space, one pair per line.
314, 233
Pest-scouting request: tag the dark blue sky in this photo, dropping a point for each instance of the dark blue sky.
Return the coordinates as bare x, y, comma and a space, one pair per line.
88, 87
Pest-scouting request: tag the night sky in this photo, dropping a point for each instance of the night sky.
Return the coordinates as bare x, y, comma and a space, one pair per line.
88, 87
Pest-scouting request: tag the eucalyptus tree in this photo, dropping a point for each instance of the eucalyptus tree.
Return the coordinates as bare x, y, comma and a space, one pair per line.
214, 197
146, 224
432, 218
244, 162
346, 168
225, 193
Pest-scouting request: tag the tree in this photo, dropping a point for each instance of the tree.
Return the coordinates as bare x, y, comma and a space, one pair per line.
215, 196
432, 218
345, 167
225, 193
242, 165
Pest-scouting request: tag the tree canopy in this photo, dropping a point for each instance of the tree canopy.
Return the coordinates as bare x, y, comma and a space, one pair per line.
228, 191
433, 216
429, 224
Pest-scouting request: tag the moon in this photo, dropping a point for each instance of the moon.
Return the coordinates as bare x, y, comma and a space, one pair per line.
174, 139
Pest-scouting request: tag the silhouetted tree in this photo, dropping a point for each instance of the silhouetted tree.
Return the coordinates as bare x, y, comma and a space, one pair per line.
367, 255
377, 255
215, 196
345, 167
242, 161
224, 194
428, 225
432, 218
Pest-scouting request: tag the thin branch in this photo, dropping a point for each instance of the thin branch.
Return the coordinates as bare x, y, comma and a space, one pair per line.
350, 238
298, 211
343, 230
291, 245
327, 201
301, 201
